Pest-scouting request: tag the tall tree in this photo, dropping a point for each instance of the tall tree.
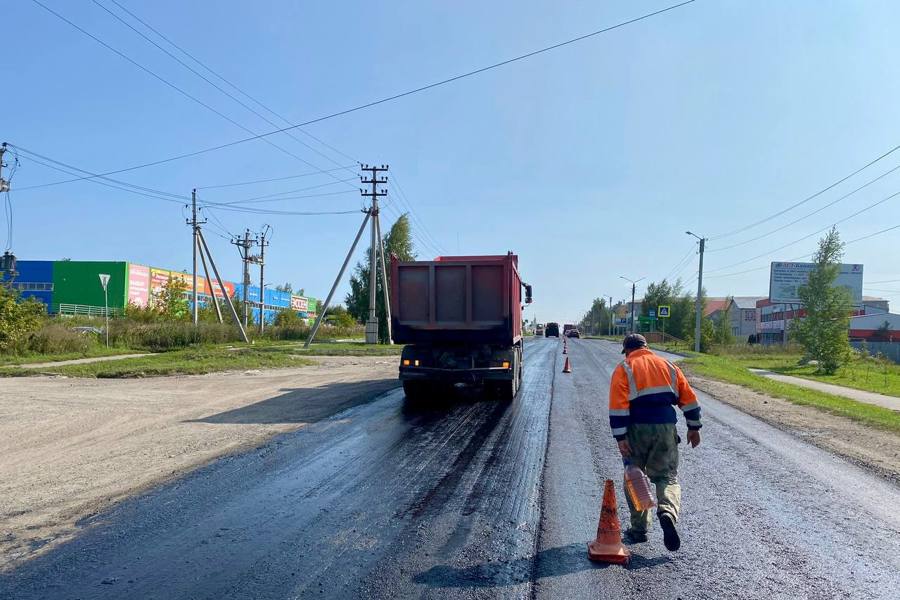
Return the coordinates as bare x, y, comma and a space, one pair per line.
398, 241
824, 331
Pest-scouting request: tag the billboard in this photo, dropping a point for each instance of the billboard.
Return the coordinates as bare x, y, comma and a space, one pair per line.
138, 285
159, 278
299, 303
786, 278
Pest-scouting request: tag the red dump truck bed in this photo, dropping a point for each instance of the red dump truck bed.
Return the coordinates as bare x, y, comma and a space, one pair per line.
457, 299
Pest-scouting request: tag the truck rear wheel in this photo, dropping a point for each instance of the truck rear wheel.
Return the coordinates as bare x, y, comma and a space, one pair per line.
417, 391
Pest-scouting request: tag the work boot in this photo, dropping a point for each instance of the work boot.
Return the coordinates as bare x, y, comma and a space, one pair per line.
670, 534
633, 536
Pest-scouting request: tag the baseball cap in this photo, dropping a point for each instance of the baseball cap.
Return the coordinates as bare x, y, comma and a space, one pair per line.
633, 341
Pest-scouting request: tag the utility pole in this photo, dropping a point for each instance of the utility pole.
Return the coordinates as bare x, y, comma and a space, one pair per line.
633, 284
4, 185
228, 301
374, 194
243, 245
195, 228
261, 260
698, 309
611, 315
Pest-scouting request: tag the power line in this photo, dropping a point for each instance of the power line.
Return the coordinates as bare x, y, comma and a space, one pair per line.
806, 216
239, 90
859, 212
255, 181
405, 199
105, 181
272, 197
808, 198
886, 281
204, 78
168, 83
859, 239
390, 98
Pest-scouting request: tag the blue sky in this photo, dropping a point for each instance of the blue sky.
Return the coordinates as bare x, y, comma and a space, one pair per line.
589, 161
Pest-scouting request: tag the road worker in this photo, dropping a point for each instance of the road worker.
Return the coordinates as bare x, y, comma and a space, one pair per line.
643, 392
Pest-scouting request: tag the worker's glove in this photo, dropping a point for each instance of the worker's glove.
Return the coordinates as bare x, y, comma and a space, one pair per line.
624, 449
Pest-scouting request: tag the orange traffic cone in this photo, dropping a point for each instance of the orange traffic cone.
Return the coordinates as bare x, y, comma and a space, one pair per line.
567, 368
608, 546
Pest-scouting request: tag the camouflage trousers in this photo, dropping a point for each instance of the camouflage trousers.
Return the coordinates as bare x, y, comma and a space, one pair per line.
654, 449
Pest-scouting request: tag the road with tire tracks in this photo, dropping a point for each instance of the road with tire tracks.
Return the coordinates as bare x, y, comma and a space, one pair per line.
473, 498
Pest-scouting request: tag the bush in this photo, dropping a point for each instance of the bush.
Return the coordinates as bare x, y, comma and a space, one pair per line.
169, 335
18, 320
57, 339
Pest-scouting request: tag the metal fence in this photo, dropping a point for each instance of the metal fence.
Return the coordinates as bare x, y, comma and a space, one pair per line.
84, 310
889, 349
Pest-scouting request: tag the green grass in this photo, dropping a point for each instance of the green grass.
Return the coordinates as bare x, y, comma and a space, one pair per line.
882, 377
23, 359
733, 370
206, 359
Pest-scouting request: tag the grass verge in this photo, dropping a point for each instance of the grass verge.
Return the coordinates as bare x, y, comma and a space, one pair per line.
94, 352
190, 361
201, 359
731, 370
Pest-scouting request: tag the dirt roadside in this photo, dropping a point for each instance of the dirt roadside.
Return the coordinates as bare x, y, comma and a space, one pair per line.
71, 448
869, 447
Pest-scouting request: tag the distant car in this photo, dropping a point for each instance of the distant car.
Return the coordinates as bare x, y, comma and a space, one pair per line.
573, 333
552, 329
539, 330
568, 327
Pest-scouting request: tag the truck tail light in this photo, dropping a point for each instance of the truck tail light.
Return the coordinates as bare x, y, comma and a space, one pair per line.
405, 362
505, 364
417, 362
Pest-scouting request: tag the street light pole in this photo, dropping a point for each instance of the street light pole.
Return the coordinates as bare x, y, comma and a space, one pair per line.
633, 285
699, 304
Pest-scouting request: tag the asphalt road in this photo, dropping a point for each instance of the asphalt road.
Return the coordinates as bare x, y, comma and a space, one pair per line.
473, 498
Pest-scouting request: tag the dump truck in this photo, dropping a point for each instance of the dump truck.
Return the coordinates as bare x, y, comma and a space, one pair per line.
461, 320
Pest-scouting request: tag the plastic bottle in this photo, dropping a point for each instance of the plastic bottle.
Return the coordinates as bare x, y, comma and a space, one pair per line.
638, 488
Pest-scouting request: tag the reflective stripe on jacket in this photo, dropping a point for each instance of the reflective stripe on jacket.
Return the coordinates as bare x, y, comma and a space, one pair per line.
644, 389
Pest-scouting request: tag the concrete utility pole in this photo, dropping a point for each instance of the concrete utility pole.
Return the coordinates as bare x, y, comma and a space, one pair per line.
699, 304
243, 245
611, 314
374, 180
337, 280
261, 260
4, 185
633, 285
228, 301
195, 228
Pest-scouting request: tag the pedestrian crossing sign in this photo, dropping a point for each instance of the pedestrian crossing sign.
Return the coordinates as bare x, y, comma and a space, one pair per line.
663, 312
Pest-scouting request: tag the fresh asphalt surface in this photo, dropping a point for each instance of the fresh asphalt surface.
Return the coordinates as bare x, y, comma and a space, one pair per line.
475, 498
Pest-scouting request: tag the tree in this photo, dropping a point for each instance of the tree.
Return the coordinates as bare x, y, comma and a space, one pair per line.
723, 335
18, 319
398, 241
170, 301
285, 287
883, 333
339, 317
596, 319
823, 333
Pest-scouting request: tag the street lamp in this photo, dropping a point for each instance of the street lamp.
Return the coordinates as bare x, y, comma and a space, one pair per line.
633, 282
698, 308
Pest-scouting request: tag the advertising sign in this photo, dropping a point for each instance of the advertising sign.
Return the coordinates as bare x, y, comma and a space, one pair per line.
786, 278
299, 303
138, 285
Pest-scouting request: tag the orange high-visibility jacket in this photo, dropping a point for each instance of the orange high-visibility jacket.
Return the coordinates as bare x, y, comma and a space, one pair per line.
645, 388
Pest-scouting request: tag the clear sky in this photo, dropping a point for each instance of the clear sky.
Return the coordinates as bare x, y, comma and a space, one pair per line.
590, 161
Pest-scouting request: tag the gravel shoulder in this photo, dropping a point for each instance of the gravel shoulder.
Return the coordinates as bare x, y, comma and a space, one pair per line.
869, 447
73, 447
